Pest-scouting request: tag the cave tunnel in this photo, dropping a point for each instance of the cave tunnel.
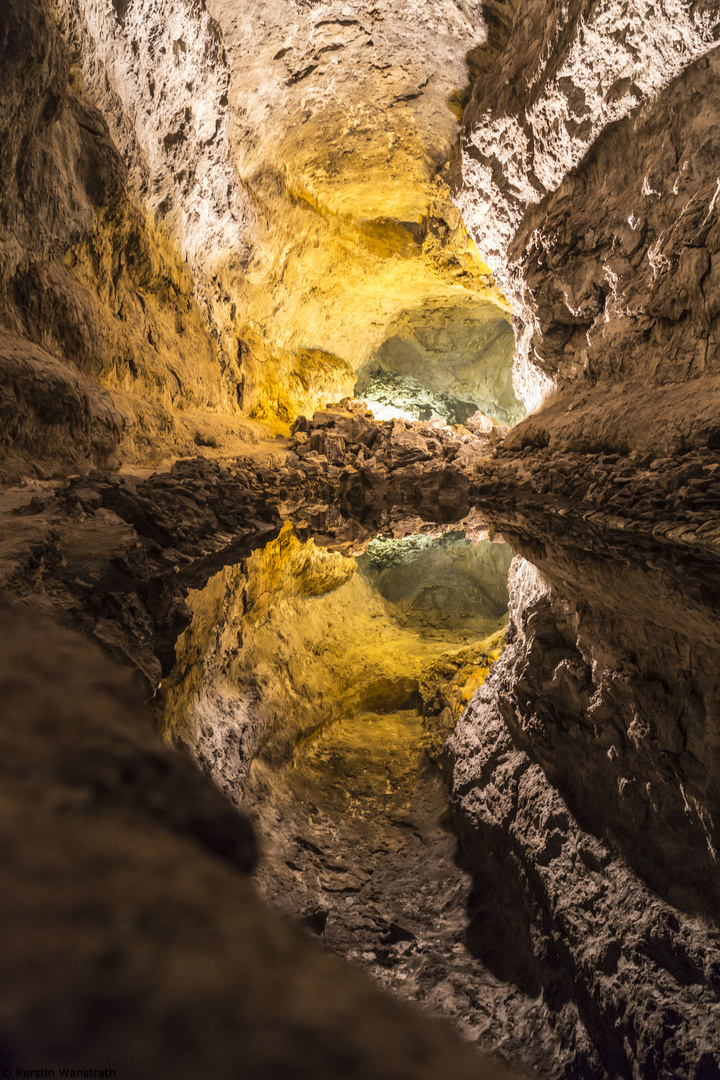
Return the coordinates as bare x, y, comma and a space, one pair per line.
359, 539
444, 363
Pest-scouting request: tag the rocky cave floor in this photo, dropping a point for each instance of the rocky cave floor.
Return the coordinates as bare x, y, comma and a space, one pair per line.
115, 554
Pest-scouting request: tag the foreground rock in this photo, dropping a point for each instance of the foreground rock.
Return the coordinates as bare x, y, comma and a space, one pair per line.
131, 938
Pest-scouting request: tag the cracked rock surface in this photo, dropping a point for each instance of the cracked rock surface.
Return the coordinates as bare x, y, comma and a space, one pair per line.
607, 929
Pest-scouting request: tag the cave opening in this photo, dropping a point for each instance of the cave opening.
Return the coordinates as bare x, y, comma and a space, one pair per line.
444, 361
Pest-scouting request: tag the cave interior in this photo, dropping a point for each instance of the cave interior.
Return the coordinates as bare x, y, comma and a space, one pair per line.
360, 539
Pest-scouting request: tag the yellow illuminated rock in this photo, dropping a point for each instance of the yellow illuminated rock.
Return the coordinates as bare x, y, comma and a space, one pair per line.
448, 684
339, 127
291, 642
287, 169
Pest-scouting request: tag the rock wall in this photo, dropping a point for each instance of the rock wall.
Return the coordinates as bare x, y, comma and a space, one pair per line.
96, 302
590, 828
315, 223
587, 178
600, 161
159, 74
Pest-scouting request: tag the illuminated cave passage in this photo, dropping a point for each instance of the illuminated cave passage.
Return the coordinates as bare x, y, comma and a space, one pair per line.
311, 313
444, 363
296, 638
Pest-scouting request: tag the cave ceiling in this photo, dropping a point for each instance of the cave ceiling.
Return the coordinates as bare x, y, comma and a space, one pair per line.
295, 156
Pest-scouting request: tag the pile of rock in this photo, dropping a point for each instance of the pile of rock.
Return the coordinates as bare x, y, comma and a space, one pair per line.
347, 435
362, 477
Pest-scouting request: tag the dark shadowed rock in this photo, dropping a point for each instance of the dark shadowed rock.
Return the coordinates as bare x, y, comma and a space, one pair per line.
131, 939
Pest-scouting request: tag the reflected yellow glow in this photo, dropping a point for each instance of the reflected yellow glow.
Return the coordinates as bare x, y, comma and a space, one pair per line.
296, 640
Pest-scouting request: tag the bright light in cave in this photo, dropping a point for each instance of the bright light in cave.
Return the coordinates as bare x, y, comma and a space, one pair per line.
388, 412
443, 362
390, 395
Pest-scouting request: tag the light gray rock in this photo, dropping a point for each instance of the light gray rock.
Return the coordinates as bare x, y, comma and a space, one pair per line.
565, 81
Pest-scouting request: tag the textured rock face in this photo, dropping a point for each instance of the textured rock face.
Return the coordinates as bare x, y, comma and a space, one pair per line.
634, 296
589, 163
291, 156
160, 74
594, 142
390, 76
137, 944
566, 75
466, 353
102, 297
353, 120
569, 782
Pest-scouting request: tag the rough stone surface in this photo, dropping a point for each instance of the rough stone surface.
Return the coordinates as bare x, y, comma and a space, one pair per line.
223, 185
464, 353
159, 73
132, 940
86, 278
593, 139
631, 977
591, 122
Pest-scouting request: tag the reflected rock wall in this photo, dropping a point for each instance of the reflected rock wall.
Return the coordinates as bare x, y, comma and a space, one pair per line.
581, 777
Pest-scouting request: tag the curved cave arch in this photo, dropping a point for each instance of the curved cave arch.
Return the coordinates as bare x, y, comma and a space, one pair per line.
444, 361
